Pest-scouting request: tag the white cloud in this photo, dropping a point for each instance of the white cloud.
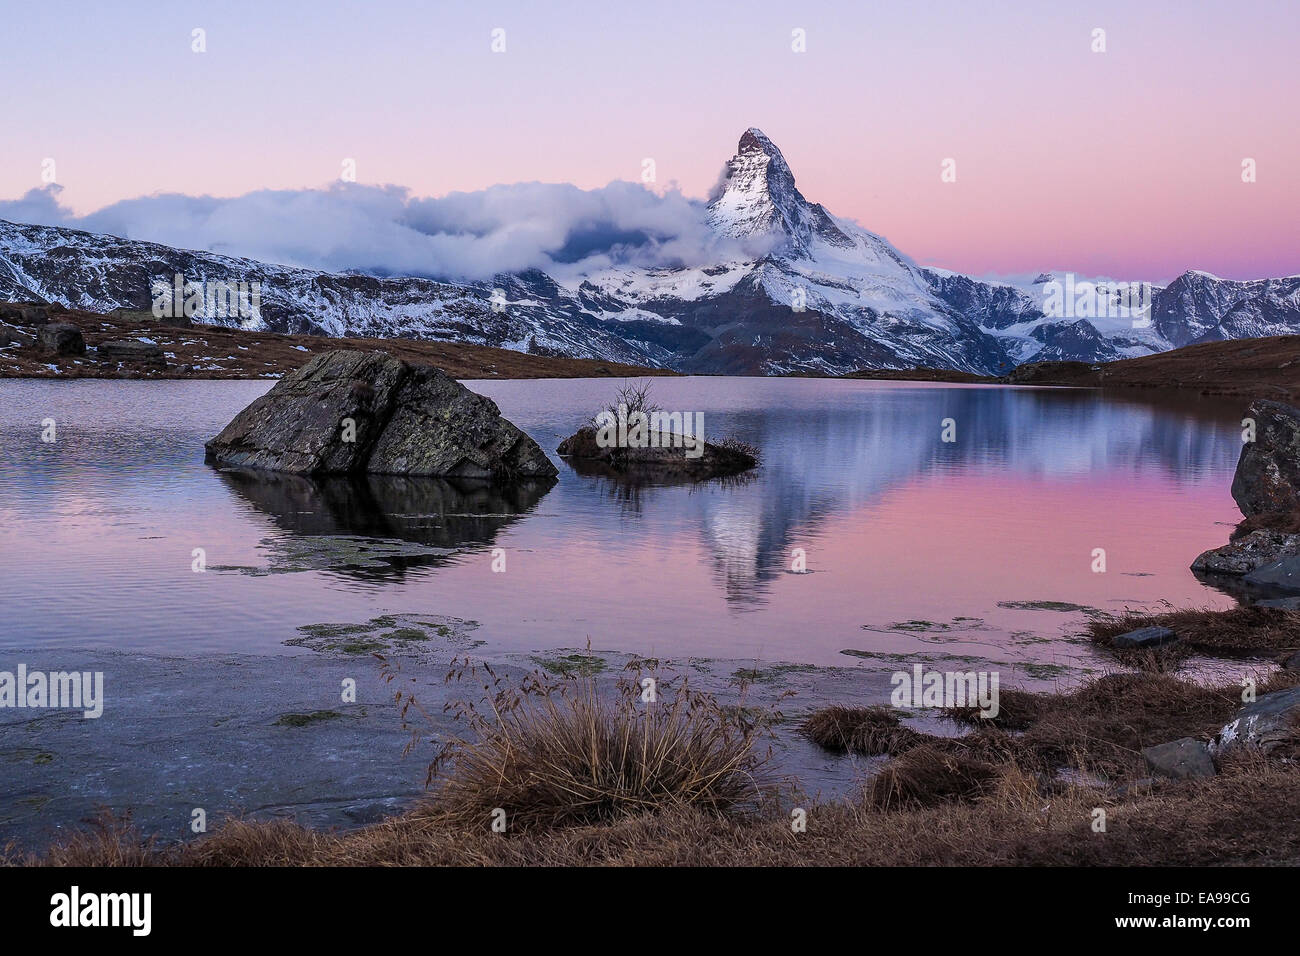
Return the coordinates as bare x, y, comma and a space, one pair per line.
385, 230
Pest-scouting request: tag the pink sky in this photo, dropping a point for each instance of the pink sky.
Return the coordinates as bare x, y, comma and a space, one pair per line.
1125, 163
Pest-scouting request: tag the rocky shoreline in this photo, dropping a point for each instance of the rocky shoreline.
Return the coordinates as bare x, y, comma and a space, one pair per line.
1261, 561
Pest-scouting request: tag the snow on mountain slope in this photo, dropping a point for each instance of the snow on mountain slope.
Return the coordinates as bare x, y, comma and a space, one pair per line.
789, 288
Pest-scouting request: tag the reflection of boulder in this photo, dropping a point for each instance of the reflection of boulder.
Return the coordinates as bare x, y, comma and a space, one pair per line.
668, 461
349, 412
443, 513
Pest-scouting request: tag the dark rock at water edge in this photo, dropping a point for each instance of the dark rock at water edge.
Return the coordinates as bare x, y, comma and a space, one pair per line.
1268, 472
1145, 637
668, 462
350, 412
61, 338
1248, 553
1281, 575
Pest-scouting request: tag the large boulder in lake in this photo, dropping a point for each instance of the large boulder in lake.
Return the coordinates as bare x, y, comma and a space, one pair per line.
1268, 472
350, 412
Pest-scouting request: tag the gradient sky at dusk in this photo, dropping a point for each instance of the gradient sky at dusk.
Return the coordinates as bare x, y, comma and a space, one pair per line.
1126, 163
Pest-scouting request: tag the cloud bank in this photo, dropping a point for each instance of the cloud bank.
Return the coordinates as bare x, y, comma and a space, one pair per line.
384, 230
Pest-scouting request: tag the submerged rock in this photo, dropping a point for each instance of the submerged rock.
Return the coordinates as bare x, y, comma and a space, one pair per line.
348, 412
673, 459
1268, 472
1249, 553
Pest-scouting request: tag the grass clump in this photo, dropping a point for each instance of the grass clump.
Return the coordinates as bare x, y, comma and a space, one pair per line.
930, 775
561, 753
1017, 709
1284, 522
870, 731
1246, 631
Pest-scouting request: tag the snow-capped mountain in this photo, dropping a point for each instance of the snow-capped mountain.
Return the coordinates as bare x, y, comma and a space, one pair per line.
798, 289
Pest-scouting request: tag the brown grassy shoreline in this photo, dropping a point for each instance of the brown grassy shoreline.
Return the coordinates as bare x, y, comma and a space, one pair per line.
1240, 817
214, 352
1247, 368
1024, 791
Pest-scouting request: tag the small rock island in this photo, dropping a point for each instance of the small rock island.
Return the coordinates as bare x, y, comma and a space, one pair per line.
664, 461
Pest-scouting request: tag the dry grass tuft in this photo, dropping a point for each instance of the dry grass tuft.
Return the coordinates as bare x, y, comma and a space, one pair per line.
1017, 709
863, 730
927, 776
559, 753
108, 840
1287, 522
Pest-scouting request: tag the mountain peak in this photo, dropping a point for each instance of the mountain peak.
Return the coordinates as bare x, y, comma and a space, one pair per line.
759, 198
754, 139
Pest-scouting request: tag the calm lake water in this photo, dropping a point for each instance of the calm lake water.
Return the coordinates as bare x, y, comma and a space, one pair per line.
910, 542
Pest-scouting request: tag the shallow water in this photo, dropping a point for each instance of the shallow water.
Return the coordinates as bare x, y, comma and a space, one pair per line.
914, 545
